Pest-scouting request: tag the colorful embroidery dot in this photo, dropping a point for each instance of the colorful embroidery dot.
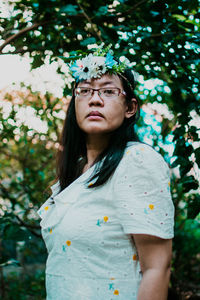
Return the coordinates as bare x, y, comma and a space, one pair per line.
127, 152
90, 184
101, 221
105, 219
134, 257
151, 206
46, 208
68, 243
50, 230
116, 292
98, 222
112, 278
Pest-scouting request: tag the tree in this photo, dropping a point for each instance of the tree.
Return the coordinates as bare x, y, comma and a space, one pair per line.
161, 39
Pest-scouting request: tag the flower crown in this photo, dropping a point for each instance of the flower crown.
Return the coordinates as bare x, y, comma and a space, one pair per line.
96, 64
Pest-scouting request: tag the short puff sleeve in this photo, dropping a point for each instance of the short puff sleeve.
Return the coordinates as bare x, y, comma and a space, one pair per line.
142, 193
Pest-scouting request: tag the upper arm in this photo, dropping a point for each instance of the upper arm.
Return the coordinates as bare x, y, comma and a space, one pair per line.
153, 252
142, 193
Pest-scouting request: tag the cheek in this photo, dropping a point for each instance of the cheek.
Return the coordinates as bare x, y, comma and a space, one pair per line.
79, 110
117, 113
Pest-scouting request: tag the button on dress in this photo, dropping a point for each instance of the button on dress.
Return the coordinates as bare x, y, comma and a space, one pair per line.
87, 231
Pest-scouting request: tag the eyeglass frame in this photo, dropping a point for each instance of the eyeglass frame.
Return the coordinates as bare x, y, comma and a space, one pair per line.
97, 90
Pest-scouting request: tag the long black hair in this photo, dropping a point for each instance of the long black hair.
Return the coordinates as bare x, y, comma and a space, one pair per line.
73, 143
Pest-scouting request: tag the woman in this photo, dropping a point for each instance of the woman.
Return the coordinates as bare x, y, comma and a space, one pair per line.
108, 225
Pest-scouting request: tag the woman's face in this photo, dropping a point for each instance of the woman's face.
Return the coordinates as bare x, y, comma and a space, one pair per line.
98, 116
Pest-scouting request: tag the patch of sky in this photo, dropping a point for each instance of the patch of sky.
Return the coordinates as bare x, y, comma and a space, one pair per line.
133, 63
157, 68
123, 35
195, 90
147, 67
152, 128
171, 50
138, 40
149, 29
159, 98
132, 51
167, 89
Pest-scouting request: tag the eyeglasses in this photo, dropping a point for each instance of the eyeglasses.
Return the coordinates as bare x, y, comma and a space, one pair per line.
104, 93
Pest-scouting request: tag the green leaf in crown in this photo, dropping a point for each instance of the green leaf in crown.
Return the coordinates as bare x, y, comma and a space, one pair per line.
98, 62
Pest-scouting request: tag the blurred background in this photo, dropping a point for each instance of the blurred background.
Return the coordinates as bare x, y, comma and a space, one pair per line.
161, 40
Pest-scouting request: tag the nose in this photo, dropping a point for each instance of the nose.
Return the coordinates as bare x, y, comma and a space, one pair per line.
95, 99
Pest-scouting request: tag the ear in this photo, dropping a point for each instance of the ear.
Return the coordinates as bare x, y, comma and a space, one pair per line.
131, 108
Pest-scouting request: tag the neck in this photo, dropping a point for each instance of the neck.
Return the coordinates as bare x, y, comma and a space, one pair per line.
95, 145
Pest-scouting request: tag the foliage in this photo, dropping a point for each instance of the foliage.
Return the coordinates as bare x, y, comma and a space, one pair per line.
161, 39
30, 287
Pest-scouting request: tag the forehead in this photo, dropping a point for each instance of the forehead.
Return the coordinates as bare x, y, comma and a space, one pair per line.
105, 80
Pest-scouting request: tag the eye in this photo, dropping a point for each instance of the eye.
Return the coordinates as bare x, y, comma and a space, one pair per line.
84, 91
109, 92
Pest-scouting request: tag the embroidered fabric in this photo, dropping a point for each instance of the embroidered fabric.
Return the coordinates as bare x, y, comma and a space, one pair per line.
87, 232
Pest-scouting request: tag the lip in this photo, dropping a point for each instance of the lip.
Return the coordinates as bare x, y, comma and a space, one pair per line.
95, 114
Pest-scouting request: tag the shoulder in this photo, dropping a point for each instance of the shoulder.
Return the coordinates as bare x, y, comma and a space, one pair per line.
55, 188
142, 159
143, 154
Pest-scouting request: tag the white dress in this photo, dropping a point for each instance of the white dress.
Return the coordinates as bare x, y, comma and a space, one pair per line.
91, 254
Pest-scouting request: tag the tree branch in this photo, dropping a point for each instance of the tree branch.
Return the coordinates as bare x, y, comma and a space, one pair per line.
132, 8
25, 224
21, 32
90, 21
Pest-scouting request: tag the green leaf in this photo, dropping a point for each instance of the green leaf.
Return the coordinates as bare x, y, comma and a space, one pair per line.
189, 183
10, 262
193, 206
13, 232
69, 9
179, 17
103, 10
37, 61
197, 155
90, 40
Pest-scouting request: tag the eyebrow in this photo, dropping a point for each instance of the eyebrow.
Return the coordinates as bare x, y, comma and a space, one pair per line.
101, 84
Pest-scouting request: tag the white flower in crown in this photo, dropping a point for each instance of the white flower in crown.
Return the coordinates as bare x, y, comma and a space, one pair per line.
89, 67
96, 64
